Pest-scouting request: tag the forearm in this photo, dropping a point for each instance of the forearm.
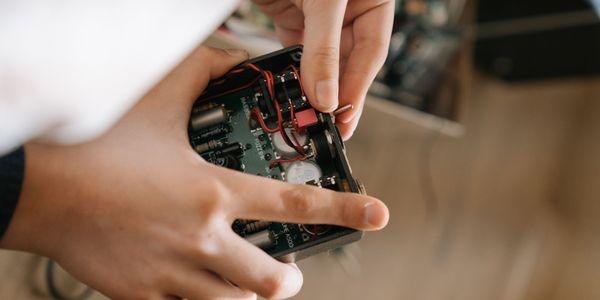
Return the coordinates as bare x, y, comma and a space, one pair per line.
28, 226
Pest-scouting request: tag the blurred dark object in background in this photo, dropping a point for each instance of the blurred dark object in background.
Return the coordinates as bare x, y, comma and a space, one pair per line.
418, 72
537, 39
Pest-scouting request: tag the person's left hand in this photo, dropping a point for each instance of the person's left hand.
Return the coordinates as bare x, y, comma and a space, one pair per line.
345, 45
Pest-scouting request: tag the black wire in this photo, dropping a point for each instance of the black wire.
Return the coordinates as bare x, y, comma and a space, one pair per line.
55, 292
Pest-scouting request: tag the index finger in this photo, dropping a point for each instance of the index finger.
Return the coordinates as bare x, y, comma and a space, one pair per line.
272, 200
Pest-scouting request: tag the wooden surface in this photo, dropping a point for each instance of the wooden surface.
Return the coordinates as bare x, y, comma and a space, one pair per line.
514, 214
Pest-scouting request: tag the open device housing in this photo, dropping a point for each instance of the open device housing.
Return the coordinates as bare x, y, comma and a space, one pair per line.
256, 119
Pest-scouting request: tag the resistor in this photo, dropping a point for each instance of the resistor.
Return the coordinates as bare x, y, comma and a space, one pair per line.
211, 133
256, 226
234, 149
210, 145
209, 117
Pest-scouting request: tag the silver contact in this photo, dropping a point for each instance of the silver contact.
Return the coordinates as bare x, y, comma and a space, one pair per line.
261, 239
301, 172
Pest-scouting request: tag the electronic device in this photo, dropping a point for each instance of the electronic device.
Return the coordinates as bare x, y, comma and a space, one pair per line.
257, 120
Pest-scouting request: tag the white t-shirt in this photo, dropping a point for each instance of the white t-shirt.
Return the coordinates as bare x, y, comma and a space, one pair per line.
70, 68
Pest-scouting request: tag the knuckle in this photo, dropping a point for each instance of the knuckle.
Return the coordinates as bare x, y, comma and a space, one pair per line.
272, 286
206, 246
201, 51
301, 200
327, 56
347, 213
211, 197
377, 47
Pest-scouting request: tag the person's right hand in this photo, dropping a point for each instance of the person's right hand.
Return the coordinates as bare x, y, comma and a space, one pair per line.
137, 214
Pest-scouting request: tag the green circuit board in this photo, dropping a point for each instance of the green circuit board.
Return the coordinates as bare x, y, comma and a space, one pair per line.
225, 131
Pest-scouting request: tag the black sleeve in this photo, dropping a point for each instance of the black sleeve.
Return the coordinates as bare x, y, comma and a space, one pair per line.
12, 168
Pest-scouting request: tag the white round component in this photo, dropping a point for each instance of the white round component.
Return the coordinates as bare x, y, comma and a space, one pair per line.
301, 172
282, 147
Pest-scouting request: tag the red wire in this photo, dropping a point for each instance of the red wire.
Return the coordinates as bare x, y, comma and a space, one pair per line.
284, 160
236, 71
295, 139
293, 115
262, 123
299, 79
269, 83
254, 67
232, 91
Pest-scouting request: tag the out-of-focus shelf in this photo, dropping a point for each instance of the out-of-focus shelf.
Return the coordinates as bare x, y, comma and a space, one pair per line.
417, 117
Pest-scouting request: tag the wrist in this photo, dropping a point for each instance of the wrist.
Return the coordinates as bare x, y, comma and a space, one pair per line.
35, 224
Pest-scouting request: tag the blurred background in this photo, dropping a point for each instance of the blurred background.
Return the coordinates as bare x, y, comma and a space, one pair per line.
482, 135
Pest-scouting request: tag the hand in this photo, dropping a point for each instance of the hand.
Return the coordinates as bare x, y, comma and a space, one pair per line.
345, 45
137, 214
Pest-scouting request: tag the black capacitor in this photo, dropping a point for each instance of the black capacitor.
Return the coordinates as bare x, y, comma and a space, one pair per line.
265, 104
229, 162
288, 88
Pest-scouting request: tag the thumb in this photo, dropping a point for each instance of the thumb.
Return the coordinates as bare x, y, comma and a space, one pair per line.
186, 81
222, 60
191, 76
320, 62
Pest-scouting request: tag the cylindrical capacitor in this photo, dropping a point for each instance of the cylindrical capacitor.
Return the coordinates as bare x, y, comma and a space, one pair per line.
229, 162
282, 147
261, 239
210, 145
209, 117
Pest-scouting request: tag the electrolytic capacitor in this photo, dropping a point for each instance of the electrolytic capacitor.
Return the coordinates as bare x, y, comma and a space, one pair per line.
261, 239
209, 117
282, 147
229, 162
210, 145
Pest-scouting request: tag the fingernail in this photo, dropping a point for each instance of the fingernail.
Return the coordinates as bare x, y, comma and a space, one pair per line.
327, 94
292, 283
237, 52
375, 215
